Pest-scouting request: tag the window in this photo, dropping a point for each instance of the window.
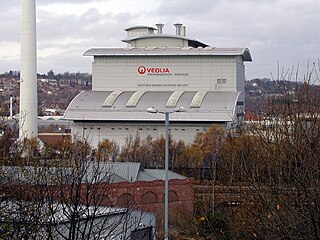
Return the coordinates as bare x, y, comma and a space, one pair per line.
221, 81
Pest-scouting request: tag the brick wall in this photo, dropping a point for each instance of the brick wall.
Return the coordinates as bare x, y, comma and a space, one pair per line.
149, 196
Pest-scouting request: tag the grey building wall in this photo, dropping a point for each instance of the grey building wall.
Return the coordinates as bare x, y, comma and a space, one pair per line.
210, 73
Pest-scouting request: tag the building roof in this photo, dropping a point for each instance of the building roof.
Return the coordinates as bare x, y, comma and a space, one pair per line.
157, 174
53, 140
202, 106
192, 42
111, 172
163, 51
133, 172
139, 26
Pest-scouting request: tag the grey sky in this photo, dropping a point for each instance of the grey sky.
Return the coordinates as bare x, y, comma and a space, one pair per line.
273, 30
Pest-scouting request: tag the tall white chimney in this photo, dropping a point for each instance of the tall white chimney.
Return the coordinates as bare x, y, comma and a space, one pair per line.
11, 106
28, 122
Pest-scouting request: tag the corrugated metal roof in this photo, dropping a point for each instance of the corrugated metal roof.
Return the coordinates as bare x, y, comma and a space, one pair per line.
128, 171
157, 174
133, 171
163, 51
215, 107
112, 172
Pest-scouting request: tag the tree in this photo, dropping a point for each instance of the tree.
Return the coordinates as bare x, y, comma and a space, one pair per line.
9, 133
62, 198
276, 163
108, 150
210, 143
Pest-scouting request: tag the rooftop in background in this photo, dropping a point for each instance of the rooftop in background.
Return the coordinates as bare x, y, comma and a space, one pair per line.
109, 172
144, 41
134, 171
146, 35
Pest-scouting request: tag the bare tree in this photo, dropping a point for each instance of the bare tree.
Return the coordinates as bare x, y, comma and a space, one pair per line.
64, 198
276, 163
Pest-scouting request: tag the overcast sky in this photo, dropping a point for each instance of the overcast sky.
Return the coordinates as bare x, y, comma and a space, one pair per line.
274, 30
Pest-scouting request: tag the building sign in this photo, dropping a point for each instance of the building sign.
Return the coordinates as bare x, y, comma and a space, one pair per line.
152, 70
172, 79
158, 71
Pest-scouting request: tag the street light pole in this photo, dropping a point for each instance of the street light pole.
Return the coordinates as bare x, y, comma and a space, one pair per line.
166, 193
166, 165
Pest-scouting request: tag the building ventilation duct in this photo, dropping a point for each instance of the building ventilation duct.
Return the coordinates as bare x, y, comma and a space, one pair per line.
159, 26
178, 28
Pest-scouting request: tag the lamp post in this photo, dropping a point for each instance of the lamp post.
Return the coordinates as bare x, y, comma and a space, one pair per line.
166, 191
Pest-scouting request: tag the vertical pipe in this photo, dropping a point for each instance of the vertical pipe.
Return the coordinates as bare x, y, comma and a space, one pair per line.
159, 26
28, 122
178, 28
11, 107
183, 31
166, 175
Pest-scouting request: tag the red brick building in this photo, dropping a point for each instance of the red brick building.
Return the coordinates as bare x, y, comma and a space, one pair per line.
149, 195
129, 184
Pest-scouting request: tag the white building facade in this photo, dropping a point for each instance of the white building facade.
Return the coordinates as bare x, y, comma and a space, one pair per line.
166, 72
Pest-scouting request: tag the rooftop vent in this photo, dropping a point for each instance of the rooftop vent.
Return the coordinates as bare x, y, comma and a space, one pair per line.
183, 31
178, 28
159, 26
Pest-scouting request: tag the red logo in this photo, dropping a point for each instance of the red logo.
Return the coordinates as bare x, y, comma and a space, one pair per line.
142, 70
157, 70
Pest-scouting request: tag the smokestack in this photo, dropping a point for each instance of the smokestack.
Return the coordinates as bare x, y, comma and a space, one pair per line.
159, 26
178, 28
11, 106
28, 120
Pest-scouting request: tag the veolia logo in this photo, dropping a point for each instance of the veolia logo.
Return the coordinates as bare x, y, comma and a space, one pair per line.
143, 70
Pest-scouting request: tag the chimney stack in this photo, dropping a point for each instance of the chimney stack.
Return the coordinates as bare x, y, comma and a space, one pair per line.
159, 26
178, 28
11, 106
28, 120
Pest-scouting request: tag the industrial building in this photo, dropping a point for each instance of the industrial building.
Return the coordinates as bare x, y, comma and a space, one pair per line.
165, 72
